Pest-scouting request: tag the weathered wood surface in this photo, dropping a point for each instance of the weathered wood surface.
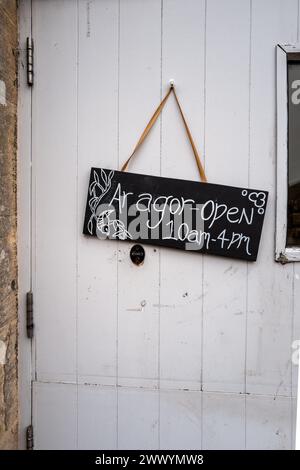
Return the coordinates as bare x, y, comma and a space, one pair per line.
164, 327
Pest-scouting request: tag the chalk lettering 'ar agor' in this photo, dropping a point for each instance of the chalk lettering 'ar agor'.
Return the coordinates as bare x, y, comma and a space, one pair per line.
200, 217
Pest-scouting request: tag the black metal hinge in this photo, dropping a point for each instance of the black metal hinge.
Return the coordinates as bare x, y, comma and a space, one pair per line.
29, 58
29, 437
29, 315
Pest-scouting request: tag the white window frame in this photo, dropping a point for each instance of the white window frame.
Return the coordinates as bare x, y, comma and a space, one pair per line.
283, 253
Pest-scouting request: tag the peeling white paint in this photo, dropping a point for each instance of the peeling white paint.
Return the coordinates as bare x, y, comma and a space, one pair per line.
3, 348
2, 255
2, 93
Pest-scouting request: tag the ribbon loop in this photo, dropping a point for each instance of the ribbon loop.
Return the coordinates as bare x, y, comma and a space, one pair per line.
153, 121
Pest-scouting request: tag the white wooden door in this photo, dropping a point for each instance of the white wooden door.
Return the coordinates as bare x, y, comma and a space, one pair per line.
186, 351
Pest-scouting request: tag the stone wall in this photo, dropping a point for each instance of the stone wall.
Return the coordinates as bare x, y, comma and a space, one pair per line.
8, 223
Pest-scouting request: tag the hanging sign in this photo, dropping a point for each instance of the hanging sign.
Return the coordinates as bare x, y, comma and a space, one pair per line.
201, 217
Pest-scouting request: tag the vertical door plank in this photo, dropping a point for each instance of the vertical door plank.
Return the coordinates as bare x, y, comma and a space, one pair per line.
97, 417
180, 419
223, 422
294, 432
296, 356
181, 273
55, 416
268, 423
139, 93
97, 146
268, 367
54, 111
137, 419
296, 329
227, 121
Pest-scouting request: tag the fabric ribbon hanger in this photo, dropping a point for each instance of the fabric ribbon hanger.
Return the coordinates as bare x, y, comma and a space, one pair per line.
153, 121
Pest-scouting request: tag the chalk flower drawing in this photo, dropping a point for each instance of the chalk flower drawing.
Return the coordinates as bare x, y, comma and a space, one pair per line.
97, 190
114, 228
257, 198
111, 227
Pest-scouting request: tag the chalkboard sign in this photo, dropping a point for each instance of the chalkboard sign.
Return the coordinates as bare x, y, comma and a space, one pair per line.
192, 216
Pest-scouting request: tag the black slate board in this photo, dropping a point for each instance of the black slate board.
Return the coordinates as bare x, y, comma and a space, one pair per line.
200, 217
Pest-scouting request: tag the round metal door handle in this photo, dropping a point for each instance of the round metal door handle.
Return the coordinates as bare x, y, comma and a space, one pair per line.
137, 254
